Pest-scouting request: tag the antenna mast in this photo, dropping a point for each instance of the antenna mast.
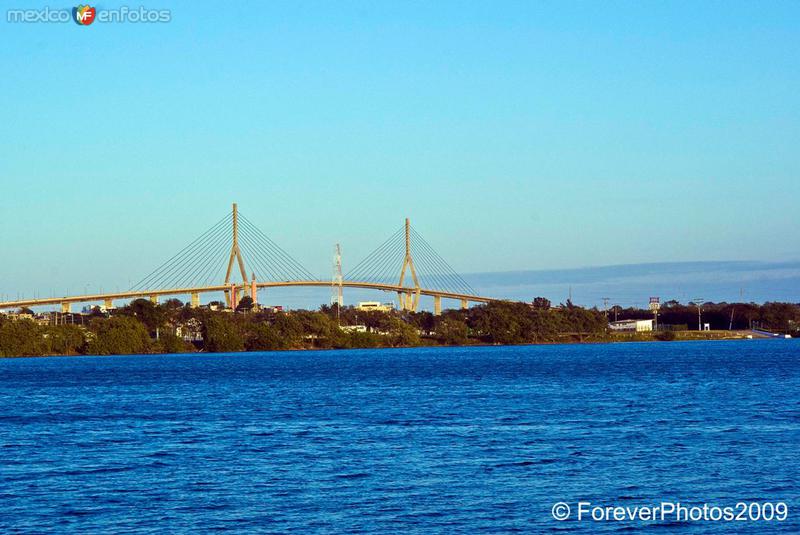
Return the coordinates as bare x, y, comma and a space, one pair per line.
336, 282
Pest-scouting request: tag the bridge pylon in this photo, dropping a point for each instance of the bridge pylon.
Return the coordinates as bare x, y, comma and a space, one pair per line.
409, 300
236, 254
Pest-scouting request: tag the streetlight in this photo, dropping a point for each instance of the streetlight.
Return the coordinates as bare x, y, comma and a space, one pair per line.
698, 302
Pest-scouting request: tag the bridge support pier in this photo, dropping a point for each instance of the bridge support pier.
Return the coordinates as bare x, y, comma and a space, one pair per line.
109, 304
464, 304
409, 299
437, 305
66, 308
234, 297
195, 300
154, 299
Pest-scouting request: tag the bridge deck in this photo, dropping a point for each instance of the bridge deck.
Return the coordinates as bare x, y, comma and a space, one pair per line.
221, 288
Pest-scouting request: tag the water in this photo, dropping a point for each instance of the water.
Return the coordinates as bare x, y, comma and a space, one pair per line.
413, 440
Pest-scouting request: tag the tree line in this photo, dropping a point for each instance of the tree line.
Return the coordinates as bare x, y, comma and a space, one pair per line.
777, 317
145, 327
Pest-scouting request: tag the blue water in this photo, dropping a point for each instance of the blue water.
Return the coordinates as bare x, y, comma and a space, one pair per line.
412, 440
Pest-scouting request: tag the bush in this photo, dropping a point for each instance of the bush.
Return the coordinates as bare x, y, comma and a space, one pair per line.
666, 336
171, 343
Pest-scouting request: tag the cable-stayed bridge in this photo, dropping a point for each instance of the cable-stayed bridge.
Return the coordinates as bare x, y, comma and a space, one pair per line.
221, 258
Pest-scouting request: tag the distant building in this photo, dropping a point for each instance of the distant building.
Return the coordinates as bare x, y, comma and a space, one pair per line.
354, 328
43, 319
190, 330
90, 309
638, 326
368, 306
16, 316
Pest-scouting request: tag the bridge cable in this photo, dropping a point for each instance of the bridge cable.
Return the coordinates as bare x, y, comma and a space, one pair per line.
180, 262
374, 258
185, 262
283, 255
298, 270
430, 273
255, 256
376, 270
188, 265
252, 255
204, 273
430, 277
389, 270
449, 271
432, 270
366, 265
170, 264
264, 250
373, 270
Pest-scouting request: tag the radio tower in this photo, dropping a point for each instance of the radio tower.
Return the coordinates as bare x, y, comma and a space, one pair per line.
336, 282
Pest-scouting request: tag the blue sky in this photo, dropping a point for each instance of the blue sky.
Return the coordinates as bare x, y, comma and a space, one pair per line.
517, 136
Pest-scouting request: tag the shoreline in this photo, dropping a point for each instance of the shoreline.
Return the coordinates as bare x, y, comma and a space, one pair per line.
616, 338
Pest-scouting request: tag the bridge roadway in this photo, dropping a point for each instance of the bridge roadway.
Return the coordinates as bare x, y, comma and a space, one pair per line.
108, 298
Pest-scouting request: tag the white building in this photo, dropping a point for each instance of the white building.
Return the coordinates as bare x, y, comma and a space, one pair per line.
638, 326
354, 328
375, 306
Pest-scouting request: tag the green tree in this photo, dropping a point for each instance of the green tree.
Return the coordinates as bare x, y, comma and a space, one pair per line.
403, 334
65, 339
541, 303
316, 327
452, 331
171, 310
22, 338
118, 335
245, 304
364, 340
221, 334
147, 312
289, 329
261, 336
169, 342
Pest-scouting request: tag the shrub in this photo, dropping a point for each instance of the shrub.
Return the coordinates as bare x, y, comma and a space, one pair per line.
666, 336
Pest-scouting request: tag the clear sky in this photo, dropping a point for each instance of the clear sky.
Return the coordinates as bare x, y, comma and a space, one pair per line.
516, 135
